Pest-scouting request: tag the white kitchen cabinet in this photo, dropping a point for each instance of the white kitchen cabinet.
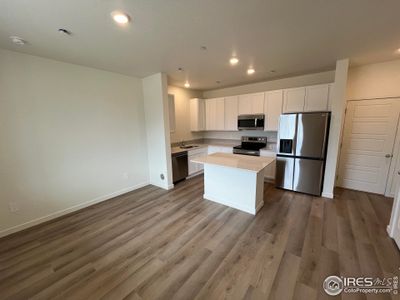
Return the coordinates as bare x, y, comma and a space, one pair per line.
231, 113
215, 114
193, 167
197, 115
294, 100
273, 109
251, 104
317, 98
271, 169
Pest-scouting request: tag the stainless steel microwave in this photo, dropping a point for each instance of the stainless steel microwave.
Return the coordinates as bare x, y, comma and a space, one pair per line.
251, 122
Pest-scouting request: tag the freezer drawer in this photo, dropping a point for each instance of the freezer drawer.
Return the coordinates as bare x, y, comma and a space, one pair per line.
312, 131
284, 172
308, 176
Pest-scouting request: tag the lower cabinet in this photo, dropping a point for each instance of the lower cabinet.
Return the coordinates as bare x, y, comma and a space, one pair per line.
271, 169
194, 168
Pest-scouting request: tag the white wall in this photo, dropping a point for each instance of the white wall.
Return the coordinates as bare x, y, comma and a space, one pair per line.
182, 114
68, 135
379, 80
296, 81
338, 107
155, 96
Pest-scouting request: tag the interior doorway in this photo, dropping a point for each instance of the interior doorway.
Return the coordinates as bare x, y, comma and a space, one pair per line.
369, 158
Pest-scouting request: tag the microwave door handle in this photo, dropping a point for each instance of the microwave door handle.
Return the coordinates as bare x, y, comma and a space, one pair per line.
255, 122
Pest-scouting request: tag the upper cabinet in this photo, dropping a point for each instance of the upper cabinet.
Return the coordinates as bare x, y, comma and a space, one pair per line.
197, 115
251, 104
231, 113
273, 109
310, 98
294, 100
220, 114
215, 114
317, 98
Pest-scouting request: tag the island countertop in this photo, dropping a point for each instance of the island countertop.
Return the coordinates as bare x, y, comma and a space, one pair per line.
238, 161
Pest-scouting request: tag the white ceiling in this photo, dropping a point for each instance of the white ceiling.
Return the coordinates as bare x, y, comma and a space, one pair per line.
289, 36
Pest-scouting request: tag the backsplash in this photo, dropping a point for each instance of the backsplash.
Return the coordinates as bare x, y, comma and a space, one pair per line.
237, 135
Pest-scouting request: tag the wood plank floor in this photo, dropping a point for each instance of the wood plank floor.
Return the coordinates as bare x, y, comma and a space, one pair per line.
156, 244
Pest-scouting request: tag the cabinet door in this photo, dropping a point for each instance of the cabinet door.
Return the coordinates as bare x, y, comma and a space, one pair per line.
245, 105
197, 114
273, 109
257, 103
192, 167
210, 114
219, 120
317, 98
294, 100
231, 113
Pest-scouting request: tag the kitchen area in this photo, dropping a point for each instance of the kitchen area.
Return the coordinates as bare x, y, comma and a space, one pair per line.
280, 135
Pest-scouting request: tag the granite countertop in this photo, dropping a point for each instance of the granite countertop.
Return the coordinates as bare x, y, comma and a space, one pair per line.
237, 161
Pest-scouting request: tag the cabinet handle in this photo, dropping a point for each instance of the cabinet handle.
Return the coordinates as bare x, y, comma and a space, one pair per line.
389, 155
398, 172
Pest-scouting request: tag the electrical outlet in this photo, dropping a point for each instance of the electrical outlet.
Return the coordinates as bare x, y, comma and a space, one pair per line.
13, 206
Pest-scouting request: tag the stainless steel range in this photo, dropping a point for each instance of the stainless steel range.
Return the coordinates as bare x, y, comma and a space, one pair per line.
251, 145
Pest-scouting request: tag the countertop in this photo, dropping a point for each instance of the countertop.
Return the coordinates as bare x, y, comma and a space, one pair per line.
237, 161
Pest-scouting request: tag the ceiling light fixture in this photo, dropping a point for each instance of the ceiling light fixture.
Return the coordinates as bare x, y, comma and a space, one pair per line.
17, 40
398, 50
234, 61
187, 84
120, 17
250, 71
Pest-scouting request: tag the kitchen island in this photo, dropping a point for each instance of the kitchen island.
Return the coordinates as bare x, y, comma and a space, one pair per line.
235, 180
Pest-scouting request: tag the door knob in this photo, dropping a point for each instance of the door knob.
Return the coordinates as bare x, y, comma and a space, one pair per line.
388, 155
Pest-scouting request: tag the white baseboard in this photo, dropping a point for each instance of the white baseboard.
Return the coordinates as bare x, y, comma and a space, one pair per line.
327, 195
60, 213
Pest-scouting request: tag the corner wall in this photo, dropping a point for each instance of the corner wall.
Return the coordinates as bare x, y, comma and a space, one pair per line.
70, 136
182, 114
155, 92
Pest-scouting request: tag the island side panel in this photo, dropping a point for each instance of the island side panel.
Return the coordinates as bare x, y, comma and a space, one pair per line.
237, 188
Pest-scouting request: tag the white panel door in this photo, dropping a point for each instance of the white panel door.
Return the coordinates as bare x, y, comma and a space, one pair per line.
317, 97
394, 226
294, 100
273, 109
231, 113
368, 139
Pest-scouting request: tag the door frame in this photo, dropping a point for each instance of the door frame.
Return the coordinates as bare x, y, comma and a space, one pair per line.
395, 148
391, 228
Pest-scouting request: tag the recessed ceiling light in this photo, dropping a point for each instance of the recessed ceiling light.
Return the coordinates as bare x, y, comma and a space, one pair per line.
187, 84
17, 40
120, 17
233, 61
398, 50
250, 71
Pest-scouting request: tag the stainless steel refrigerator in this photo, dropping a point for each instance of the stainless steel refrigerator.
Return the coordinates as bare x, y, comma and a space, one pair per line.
302, 143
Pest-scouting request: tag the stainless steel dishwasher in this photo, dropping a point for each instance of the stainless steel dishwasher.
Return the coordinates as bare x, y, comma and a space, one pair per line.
179, 166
